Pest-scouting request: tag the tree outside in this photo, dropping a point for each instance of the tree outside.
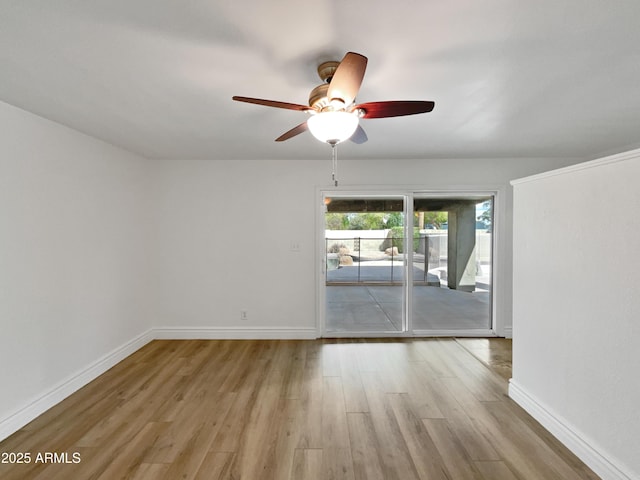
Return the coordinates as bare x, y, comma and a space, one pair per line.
363, 221
432, 220
487, 214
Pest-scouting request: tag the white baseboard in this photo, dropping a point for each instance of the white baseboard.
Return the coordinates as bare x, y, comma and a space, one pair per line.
62, 390
235, 333
508, 331
590, 455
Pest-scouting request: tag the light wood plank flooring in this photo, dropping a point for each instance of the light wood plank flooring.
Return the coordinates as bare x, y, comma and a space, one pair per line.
393, 409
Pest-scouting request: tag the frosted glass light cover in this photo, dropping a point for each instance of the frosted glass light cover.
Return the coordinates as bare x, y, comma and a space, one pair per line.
333, 127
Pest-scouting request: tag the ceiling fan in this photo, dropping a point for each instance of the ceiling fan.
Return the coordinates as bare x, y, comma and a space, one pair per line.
334, 114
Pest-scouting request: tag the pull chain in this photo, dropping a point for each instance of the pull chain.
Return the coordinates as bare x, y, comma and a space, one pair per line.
334, 162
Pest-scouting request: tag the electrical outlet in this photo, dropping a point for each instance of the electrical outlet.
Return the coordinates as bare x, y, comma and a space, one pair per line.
244, 315
295, 246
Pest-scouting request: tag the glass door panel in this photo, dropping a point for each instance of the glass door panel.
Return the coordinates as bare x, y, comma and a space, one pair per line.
365, 265
452, 264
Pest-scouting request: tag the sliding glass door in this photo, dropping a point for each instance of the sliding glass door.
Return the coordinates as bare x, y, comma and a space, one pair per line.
369, 242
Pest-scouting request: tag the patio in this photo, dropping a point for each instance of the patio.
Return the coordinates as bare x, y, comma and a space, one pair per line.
369, 297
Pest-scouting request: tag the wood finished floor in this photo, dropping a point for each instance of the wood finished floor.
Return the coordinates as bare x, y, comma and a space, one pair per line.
395, 409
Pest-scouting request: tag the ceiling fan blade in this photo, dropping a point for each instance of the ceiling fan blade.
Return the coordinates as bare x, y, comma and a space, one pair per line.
293, 132
347, 78
394, 108
273, 103
359, 136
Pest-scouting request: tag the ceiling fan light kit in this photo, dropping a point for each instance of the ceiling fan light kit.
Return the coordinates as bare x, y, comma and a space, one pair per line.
333, 126
334, 114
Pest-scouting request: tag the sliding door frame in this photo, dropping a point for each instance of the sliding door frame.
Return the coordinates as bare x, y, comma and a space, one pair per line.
480, 332
321, 276
497, 310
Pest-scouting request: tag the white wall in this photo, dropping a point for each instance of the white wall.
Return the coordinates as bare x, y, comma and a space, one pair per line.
73, 260
576, 304
226, 228
224, 245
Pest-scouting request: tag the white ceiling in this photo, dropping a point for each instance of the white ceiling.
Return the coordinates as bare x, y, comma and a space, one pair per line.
525, 78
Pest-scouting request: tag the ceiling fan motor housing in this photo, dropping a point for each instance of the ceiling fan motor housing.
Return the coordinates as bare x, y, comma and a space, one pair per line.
318, 97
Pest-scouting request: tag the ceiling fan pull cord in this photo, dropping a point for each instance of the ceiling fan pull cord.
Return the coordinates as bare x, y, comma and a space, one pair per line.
334, 161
